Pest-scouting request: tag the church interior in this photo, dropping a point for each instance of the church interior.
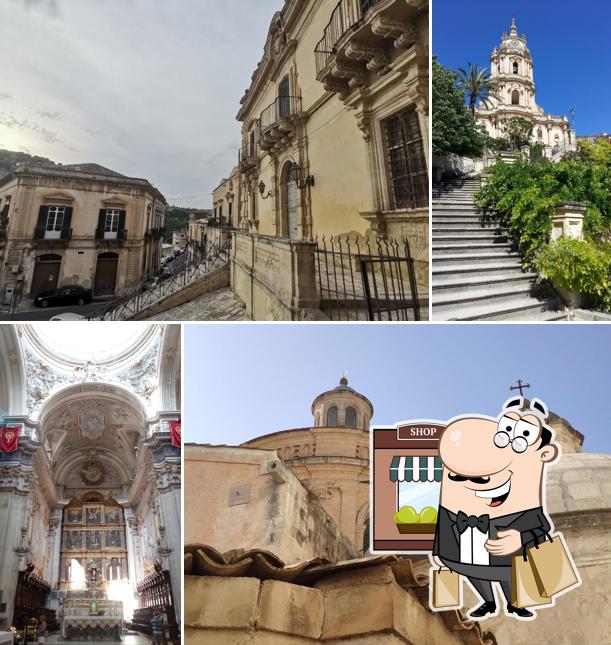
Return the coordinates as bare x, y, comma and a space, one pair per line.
90, 481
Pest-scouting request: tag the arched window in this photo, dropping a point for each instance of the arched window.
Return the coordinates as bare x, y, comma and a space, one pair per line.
539, 134
515, 97
350, 417
332, 417
516, 68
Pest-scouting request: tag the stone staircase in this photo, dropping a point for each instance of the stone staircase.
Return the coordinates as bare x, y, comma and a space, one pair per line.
476, 275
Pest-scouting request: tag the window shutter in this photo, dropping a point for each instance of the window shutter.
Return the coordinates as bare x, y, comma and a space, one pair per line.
99, 234
43, 213
67, 222
121, 220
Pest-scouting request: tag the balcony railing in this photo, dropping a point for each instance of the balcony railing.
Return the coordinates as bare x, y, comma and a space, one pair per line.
347, 15
110, 236
40, 235
283, 108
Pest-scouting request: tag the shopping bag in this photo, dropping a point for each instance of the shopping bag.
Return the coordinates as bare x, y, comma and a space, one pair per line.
446, 589
552, 567
524, 587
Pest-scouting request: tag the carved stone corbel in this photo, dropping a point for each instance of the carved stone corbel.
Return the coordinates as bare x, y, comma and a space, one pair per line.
405, 35
377, 59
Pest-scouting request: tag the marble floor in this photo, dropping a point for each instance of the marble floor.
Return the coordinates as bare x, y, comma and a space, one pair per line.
130, 638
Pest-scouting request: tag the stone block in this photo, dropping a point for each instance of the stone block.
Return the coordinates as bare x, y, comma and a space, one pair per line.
221, 602
217, 637
290, 609
374, 639
270, 638
374, 576
348, 613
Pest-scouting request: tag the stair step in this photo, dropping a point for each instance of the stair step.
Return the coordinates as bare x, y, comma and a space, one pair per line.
469, 248
468, 227
465, 236
483, 268
459, 283
470, 258
488, 292
519, 308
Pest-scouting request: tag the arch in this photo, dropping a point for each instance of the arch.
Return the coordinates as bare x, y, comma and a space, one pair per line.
289, 228
516, 67
332, 416
515, 97
169, 368
351, 417
12, 374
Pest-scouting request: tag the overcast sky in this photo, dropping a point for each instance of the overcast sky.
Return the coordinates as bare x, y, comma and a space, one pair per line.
149, 88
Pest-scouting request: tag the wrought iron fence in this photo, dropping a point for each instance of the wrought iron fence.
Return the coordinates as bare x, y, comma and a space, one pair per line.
345, 16
200, 261
363, 280
283, 107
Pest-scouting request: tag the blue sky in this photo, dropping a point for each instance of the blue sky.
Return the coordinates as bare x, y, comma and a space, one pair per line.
569, 43
242, 381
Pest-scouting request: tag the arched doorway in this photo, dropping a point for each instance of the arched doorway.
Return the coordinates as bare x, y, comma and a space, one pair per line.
46, 273
289, 227
106, 274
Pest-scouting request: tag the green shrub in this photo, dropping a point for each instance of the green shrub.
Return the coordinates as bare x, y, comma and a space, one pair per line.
578, 265
522, 197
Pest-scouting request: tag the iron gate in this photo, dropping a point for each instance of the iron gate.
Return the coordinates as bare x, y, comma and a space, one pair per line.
363, 280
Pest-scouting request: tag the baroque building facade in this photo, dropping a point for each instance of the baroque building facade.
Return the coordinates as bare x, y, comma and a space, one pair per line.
91, 491
80, 225
335, 124
303, 493
512, 69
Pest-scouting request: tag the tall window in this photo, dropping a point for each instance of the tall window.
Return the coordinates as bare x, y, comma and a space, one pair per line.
407, 174
516, 68
111, 222
350, 417
251, 143
284, 97
55, 222
332, 417
515, 97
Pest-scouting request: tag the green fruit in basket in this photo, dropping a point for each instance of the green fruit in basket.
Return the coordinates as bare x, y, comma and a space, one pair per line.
428, 515
407, 515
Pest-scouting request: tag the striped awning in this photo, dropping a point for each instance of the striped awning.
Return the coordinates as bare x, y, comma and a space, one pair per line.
415, 469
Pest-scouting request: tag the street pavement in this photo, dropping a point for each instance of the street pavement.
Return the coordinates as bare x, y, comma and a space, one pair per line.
27, 311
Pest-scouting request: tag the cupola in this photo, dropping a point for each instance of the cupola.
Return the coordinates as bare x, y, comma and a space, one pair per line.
342, 407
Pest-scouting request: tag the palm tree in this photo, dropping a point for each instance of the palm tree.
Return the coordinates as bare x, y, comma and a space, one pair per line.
477, 84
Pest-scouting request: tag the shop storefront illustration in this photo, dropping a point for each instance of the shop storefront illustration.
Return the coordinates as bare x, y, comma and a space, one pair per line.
406, 481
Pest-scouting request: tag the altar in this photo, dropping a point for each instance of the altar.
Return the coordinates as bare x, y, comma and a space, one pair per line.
87, 619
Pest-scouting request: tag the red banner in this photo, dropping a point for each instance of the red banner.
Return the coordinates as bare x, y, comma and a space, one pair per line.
9, 439
175, 434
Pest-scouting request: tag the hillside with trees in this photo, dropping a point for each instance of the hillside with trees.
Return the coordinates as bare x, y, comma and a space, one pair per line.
9, 159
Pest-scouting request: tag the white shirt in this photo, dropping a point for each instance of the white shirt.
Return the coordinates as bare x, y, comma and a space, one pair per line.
472, 550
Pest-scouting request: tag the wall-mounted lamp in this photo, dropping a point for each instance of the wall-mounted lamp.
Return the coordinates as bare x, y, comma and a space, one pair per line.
295, 175
262, 191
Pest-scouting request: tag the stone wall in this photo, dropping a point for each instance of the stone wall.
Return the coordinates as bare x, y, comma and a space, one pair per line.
365, 606
274, 278
238, 498
210, 282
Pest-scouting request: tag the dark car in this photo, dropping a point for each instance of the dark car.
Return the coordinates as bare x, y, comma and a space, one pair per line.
68, 295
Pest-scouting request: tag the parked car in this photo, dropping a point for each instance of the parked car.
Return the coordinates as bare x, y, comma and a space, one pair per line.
68, 295
68, 316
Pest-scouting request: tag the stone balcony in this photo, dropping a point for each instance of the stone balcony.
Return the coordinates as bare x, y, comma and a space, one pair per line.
361, 38
278, 123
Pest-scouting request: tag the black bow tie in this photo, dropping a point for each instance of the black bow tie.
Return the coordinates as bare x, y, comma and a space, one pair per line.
464, 521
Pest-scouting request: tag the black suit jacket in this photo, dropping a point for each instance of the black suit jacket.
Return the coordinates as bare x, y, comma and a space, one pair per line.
532, 525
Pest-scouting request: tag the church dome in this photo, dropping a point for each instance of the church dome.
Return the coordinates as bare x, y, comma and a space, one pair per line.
342, 407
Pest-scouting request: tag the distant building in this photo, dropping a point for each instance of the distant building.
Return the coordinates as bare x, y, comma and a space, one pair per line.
226, 198
512, 67
180, 239
80, 224
593, 138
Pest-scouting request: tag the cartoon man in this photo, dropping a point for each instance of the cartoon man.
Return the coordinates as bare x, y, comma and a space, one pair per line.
491, 502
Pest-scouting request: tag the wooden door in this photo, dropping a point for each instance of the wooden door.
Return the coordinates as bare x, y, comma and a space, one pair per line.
106, 274
46, 274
